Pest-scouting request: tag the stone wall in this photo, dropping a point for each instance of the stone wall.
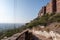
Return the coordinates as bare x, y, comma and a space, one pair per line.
58, 6
42, 11
25, 36
49, 8
52, 7
21, 37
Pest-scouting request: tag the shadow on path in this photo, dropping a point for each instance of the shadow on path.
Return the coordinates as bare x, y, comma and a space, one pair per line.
35, 38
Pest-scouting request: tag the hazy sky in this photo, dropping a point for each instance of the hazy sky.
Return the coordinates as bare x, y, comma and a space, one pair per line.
20, 11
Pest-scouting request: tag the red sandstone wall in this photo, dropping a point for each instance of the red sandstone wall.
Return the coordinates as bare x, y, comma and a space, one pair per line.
58, 6
42, 11
39, 14
49, 7
52, 7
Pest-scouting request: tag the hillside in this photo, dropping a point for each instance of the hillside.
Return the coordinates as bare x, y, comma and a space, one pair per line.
44, 20
41, 25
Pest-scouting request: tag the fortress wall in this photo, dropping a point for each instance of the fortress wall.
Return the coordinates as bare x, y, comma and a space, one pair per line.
52, 7
42, 11
49, 7
58, 6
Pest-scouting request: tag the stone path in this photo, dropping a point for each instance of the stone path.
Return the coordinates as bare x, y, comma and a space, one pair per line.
41, 37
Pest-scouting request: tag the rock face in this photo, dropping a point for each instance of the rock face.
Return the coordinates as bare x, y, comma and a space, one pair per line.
52, 7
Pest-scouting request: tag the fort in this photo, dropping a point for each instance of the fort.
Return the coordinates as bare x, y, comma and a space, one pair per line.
52, 7
41, 34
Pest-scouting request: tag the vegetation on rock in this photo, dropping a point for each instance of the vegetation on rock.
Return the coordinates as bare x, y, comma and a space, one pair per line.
44, 20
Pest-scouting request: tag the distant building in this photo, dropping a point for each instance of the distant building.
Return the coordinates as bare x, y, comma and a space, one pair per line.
52, 7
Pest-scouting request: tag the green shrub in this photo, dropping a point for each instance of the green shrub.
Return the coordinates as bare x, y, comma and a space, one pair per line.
44, 20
